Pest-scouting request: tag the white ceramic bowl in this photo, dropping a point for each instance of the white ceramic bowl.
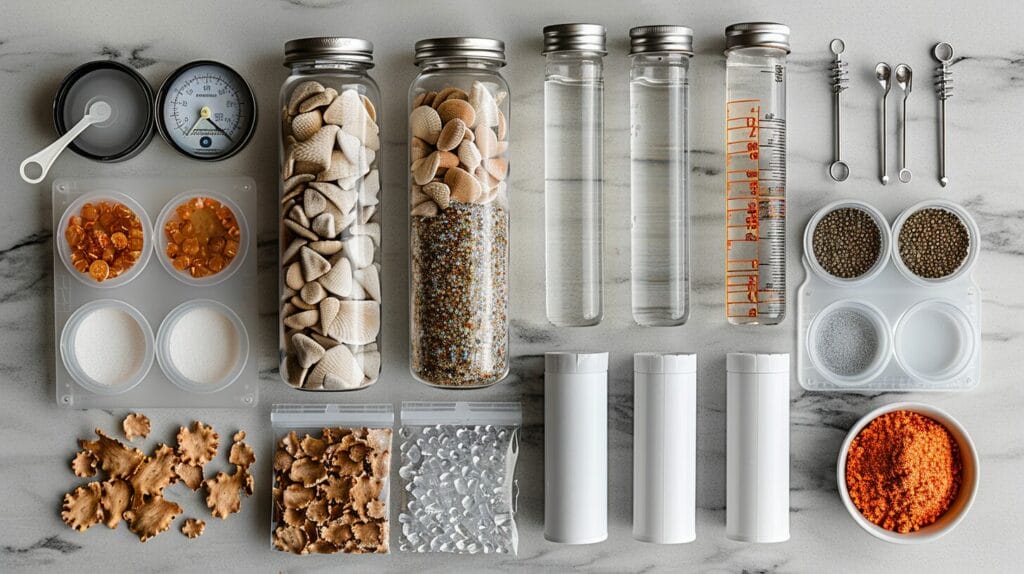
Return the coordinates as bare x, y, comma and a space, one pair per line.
968, 485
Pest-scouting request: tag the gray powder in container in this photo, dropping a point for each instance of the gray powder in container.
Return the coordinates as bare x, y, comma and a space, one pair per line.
847, 342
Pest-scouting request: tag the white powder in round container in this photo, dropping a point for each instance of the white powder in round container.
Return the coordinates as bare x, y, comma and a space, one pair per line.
203, 345
109, 346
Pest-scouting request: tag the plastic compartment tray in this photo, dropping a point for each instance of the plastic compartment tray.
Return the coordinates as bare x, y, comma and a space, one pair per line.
154, 292
895, 297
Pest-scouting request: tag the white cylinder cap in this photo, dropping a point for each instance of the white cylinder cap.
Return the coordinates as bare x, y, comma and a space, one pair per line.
569, 363
757, 362
663, 363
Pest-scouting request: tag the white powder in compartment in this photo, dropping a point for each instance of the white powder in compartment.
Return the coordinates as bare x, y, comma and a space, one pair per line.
109, 346
203, 345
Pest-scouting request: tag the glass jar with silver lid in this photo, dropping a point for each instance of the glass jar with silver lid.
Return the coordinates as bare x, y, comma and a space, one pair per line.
459, 213
330, 230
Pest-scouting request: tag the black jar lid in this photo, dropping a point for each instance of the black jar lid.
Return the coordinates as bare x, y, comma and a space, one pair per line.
131, 124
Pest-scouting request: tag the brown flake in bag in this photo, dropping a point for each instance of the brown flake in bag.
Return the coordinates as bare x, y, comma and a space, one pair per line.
82, 507
152, 517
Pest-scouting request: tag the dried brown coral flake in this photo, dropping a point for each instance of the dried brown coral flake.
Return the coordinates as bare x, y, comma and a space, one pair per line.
241, 455
135, 425
191, 475
84, 464
307, 471
155, 472
116, 497
82, 508
152, 517
290, 539
223, 493
113, 456
193, 527
198, 444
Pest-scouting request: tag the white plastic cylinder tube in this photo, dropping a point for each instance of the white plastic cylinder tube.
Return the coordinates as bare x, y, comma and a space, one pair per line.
757, 447
664, 447
576, 447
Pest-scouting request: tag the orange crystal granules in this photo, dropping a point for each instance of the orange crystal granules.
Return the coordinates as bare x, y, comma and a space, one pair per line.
105, 239
202, 237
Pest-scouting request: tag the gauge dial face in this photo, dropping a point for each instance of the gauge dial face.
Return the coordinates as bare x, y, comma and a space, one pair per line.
206, 110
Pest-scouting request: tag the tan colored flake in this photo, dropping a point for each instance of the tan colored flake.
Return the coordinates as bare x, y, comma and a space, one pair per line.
116, 498
290, 539
193, 527
82, 507
290, 443
152, 517
84, 464
317, 511
135, 425
198, 444
376, 509
307, 471
368, 534
322, 547
337, 532
282, 460
379, 439
336, 488
223, 493
190, 474
297, 496
334, 435
241, 455
313, 447
380, 463
155, 472
116, 459
238, 436
294, 516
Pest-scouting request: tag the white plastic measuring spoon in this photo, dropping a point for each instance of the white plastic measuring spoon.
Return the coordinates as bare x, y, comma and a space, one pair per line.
98, 112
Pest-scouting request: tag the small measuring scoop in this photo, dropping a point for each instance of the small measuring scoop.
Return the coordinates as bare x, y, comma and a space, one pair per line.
98, 112
883, 73
838, 170
905, 80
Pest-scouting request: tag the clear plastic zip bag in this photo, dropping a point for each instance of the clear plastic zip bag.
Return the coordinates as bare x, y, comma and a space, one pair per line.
458, 464
330, 478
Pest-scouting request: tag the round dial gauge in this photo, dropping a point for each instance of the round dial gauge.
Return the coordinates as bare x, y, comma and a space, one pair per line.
206, 111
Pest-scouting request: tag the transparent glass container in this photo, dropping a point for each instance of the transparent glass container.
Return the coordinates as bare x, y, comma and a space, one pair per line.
573, 173
755, 165
330, 282
659, 174
459, 213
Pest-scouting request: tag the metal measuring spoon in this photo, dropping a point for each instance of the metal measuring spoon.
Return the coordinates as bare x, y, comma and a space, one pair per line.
943, 52
98, 112
839, 171
905, 80
883, 73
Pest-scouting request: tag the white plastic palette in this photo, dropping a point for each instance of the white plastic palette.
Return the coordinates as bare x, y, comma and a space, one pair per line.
153, 296
928, 331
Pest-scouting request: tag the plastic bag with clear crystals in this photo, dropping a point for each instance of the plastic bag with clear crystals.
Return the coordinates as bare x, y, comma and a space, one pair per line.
458, 477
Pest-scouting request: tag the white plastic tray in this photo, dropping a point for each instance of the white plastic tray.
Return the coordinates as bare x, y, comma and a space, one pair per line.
154, 292
895, 297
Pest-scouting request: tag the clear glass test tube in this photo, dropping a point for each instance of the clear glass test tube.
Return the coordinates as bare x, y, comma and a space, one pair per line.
659, 173
573, 179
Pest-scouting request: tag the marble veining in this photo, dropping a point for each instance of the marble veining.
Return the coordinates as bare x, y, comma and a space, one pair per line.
41, 42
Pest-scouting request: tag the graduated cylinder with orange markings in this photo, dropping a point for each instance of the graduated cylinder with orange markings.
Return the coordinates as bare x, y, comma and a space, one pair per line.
755, 167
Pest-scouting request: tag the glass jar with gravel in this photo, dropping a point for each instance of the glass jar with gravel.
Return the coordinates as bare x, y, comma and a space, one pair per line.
847, 242
935, 242
330, 290
459, 214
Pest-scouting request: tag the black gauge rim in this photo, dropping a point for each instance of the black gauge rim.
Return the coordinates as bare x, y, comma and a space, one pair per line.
161, 97
60, 100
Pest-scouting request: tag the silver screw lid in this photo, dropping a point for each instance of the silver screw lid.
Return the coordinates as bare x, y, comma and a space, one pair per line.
575, 37
334, 49
644, 39
460, 47
757, 35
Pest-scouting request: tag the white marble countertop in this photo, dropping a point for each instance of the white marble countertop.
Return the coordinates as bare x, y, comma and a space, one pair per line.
41, 41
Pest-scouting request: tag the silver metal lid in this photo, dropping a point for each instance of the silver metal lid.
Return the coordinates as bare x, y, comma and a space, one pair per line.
460, 47
757, 35
351, 50
575, 37
644, 39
